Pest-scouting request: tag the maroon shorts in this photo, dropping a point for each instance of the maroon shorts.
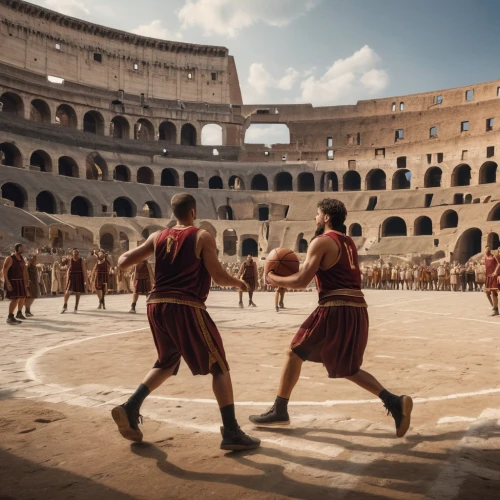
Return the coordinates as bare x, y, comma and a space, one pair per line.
142, 287
182, 330
491, 283
335, 336
250, 281
18, 290
101, 281
76, 283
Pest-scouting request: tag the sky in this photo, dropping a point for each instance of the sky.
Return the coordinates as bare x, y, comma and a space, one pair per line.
324, 52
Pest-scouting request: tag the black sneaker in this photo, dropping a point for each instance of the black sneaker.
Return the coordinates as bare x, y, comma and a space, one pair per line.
241, 305
282, 306
132, 311
400, 408
237, 440
13, 321
127, 421
270, 419
64, 309
20, 315
277, 309
495, 311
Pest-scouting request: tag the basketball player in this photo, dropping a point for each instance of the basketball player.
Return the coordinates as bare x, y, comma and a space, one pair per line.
76, 279
100, 277
33, 287
248, 272
15, 282
492, 264
186, 260
143, 278
336, 333
279, 298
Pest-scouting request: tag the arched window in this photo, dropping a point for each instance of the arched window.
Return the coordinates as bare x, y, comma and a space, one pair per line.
68, 167
10, 155
15, 193
190, 180
488, 173
401, 179
283, 182
96, 167
306, 182
461, 175
493, 241
211, 135
168, 132
263, 213
81, 206
259, 183
151, 209
215, 182
12, 104
433, 177
42, 160
120, 128
355, 230
236, 183
144, 130
433, 132
330, 182
394, 226
169, 177
121, 173
494, 213
249, 247
188, 135
225, 212
301, 244
449, 219
107, 242
66, 116
45, 202
468, 245
352, 181
40, 111
145, 176
422, 226
93, 123
123, 207
229, 240
376, 180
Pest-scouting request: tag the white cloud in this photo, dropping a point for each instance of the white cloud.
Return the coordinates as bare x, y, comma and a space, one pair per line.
267, 134
211, 135
69, 7
346, 80
260, 82
288, 81
229, 17
154, 29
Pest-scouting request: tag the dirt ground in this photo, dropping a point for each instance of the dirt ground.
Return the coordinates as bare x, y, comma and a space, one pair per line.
60, 375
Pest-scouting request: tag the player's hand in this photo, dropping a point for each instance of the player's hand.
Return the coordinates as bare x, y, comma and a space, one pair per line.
9, 287
270, 278
243, 286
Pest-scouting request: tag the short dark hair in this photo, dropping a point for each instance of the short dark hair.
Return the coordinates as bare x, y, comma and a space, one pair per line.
18, 246
336, 210
182, 204
74, 249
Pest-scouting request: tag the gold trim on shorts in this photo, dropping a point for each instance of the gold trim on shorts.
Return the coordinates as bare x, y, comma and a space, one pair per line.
214, 355
335, 303
171, 300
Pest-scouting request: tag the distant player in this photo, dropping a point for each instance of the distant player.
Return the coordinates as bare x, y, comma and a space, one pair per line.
76, 280
248, 273
492, 264
143, 282
186, 260
336, 333
279, 298
100, 278
15, 282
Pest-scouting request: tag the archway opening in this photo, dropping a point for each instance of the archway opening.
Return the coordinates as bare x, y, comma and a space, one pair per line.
461, 176
145, 176
229, 240
225, 212
81, 206
432, 178
190, 180
236, 183
40, 111
449, 219
249, 247
169, 177
67, 167
355, 230
211, 135
352, 181
41, 160
144, 130
267, 133
493, 241
121, 173
488, 173
422, 226
302, 244
14, 193
259, 183
66, 116
494, 213
401, 179
263, 213
394, 226
168, 132
10, 156
12, 104
124, 242
330, 182
305, 182
96, 167
93, 123
123, 207
215, 182
45, 202
283, 182
468, 245
188, 135
120, 128
152, 210
107, 242
376, 180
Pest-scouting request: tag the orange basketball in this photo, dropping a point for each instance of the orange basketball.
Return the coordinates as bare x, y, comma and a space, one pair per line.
282, 261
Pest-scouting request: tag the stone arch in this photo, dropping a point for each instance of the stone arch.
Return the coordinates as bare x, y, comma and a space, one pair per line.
305, 182
10, 156
42, 160
461, 175
394, 226
376, 180
329, 182
468, 245
93, 122
422, 226
124, 207
68, 167
494, 213
107, 242
211, 135
145, 176
215, 182
122, 173
144, 130
45, 202
190, 180
263, 213
225, 212
249, 247
488, 173
169, 177
355, 230
236, 183
283, 181
81, 206
448, 219
188, 135
12, 104
119, 128
229, 241
168, 132
124, 241
96, 167
352, 181
152, 210
208, 227
40, 111
493, 241
468, 199
15, 193
432, 178
149, 230
259, 183
401, 179
302, 244
66, 116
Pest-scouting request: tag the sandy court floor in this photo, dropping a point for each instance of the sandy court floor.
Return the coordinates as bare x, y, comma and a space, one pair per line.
61, 374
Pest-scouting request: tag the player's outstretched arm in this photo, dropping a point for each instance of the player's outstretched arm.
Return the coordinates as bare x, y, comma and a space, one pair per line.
208, 252
315, 253
138, 254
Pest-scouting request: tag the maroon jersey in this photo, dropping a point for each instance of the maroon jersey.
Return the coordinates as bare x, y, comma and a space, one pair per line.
141, 271
75, 266
343, 279
180, 276
16, 270
490, 262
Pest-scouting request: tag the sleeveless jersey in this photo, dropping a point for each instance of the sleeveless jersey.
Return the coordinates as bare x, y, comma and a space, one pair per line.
75, 266
103, 267
141, 271
491, 263
248, 270
16, 270
180, 277
341, 283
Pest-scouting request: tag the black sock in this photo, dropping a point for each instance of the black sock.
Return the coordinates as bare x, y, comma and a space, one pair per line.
133, 305
229, 418
281, 405
28, 310
386, 396
135, 401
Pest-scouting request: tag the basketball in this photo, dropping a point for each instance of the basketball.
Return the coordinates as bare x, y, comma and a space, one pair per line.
283, 261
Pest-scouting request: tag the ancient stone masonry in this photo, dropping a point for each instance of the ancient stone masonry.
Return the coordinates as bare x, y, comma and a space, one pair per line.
99, 128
